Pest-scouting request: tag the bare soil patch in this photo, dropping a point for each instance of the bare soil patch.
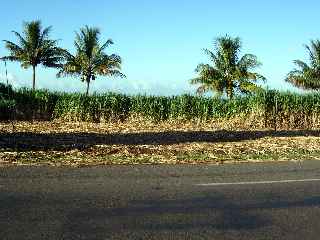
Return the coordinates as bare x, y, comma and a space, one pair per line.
143, 142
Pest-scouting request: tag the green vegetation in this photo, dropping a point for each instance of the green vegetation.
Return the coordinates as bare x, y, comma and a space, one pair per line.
42, 104
34, 48
90, 59
283, 110
229, 73
6, 103
307, 76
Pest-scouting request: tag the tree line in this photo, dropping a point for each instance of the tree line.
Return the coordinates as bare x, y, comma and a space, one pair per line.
34, 47
228, 73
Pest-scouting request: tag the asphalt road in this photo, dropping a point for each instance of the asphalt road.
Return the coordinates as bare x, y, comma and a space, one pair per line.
161, 202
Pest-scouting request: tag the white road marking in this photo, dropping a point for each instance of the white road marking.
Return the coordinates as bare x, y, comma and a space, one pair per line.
255, 183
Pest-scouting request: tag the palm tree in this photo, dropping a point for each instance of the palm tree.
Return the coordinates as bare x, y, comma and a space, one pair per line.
307, 76
34, 48
90, 59
229, 73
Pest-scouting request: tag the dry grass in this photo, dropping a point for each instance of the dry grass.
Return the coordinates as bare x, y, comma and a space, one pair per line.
143, 142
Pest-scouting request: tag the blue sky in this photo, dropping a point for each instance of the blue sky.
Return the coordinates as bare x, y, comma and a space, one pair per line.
161, 42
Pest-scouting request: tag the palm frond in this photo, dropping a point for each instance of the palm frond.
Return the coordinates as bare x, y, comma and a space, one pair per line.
90, 60
228, 70
9, 58
105, 45
302, 65
23, 42
13, 48
307, 76
247, 87
249, 61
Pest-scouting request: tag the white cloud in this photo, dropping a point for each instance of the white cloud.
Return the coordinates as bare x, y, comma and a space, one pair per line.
150, 87
145, 85
13, 80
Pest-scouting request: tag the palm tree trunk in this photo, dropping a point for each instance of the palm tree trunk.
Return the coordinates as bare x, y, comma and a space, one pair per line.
230, 91
33, 78
88, 83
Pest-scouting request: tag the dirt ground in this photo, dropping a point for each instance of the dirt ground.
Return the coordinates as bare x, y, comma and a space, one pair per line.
142, 142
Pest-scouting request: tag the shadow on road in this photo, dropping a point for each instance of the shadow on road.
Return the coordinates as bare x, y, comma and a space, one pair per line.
209, 213
67, 141
90, 219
